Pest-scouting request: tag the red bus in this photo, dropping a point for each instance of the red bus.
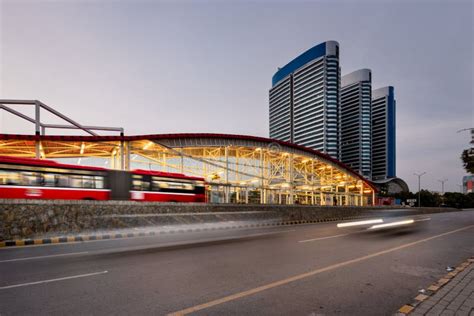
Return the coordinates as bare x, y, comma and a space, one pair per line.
23, 178
166, 187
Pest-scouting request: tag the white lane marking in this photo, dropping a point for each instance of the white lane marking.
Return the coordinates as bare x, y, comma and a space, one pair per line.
42, 257
53, 280
322, 238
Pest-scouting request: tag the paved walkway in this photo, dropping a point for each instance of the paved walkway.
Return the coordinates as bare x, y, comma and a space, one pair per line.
451, 296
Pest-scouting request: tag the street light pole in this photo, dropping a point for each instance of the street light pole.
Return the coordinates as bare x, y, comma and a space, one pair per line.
442, 185
419, 186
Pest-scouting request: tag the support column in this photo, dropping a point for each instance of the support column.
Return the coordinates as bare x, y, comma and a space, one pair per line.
236, 174
127, 156
290, 166
122, 155
312, 182
263, 197
226, 153
37, 119
37, 131
204, 164
112, 161
346, 195
226, 176
164, 164
37, 149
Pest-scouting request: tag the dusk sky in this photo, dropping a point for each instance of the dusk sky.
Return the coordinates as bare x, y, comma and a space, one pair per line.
188, 66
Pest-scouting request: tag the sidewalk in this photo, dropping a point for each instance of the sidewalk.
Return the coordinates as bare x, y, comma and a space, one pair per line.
451, 295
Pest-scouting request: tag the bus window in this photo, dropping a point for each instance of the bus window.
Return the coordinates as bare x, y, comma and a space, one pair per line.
159, 185
49, 179
9, 177
199, 188
180, 186
99, 182
62, 180
75, 181
30, 178
88, 182
139, 183
168, 186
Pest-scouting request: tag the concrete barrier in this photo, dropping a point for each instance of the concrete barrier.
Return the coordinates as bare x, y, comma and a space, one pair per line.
20, 219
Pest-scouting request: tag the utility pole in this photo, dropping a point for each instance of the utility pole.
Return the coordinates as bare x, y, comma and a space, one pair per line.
442, 185
442, 189
419, 186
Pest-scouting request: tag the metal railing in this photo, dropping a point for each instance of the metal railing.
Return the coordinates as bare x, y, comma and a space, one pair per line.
40, 128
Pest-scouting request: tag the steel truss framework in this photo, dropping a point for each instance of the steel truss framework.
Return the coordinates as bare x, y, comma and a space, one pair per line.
239, 169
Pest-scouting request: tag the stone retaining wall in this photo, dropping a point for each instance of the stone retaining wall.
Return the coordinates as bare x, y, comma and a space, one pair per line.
35, 218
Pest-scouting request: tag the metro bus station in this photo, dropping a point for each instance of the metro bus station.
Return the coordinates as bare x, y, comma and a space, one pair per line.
236, 168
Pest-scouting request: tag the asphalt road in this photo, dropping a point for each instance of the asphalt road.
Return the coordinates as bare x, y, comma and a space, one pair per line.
313, 269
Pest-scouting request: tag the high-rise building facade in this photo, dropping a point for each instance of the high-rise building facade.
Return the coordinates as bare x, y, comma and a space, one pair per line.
355, 130
304, 100
383, 133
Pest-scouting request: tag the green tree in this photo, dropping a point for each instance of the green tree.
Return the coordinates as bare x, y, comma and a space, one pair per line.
429, 199
404, 196
467, 158
459, 200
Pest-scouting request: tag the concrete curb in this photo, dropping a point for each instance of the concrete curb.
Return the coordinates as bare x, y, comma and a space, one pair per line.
82, 238
432, 289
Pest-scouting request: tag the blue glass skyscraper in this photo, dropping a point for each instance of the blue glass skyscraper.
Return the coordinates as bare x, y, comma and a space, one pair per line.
304, 100
355, 126
383, 133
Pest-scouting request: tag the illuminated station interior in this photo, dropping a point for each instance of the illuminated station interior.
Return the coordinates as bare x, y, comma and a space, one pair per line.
237, 169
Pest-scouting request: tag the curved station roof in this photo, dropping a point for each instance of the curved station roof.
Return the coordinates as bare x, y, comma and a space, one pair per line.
238, 168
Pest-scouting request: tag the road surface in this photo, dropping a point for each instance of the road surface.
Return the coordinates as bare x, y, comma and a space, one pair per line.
314, 269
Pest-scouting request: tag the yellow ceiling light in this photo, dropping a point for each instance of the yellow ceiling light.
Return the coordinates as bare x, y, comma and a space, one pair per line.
148, 145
